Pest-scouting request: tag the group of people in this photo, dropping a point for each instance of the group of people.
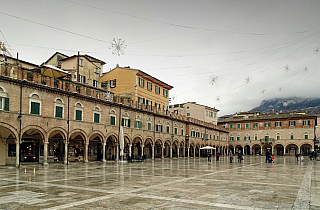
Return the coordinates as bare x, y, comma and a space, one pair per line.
313, 155
217, 156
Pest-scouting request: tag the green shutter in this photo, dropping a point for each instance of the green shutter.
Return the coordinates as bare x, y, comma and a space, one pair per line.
35, 107
78, 115
59, 111
96, 118
112, 120
140, 125
122, 122
128, 123
149, 126
135, 124
6, 104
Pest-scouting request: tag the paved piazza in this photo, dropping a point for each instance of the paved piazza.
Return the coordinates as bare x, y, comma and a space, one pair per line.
190, 183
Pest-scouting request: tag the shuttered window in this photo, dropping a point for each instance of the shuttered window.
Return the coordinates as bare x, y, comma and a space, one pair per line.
35, 108
149, 126
79, 115
138, 124
4, 104
96, 117
59, 110
112, 120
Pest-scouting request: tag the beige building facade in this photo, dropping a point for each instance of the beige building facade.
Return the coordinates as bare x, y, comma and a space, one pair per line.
282, 133
47, 123
198, 111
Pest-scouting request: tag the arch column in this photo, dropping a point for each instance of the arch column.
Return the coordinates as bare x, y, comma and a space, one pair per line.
66, 152
234, 150
199, 151
170, 151
86, 152
284, 150
17, 153
273, 150
251, 150
152, 152
142, 146
130, 151
299, 150
194, 152
178, 150
162, 152
188, 151
117, 151
184, 152
45, 152
104, 152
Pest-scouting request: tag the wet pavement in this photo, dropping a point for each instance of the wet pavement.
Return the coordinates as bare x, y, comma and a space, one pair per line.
184, 183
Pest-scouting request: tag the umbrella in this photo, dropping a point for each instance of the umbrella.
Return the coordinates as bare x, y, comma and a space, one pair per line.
53, 72
207, 147
121, 141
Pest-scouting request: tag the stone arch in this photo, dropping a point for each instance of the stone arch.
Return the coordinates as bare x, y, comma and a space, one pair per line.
11, 129
256, 149
305, 149
147, 149
158, 148
58, 99
57, 138
35, 127
80, 132
55, 130
35, 94
111, 146
32, 144
112, 111
291, 149
96, 133
95, 148
278, 149
137, 136
77, 145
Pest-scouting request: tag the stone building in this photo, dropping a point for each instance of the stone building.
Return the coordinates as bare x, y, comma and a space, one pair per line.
198, 111
282, 133
63, 121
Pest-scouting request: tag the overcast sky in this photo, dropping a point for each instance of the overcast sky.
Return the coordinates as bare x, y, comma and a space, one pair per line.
226, 54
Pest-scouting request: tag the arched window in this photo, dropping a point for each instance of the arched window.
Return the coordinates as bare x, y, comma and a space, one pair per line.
58, 108
4, 101
96, 114
113, 116
78, 111
125, 121
35, 103
138, 122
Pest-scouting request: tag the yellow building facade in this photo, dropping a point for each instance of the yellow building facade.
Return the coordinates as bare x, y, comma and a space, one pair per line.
139, 86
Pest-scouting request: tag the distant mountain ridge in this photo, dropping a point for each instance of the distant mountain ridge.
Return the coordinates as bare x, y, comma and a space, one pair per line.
311, 105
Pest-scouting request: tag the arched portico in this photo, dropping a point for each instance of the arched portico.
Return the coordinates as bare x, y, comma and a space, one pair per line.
56, 145
278, 149
247, 150
305, 149
158, 149
32, 146
78, 146
292, 149
167, 149
137, 147
95, 148
112, 147
9, 144
256, 149
148, 148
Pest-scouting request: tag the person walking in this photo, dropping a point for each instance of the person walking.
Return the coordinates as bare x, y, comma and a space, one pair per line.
230, 156
297, 156
209, 157
239, 156
268, 156
217, 155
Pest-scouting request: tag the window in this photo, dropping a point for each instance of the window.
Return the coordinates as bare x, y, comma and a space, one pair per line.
193, 134
197, 134
96, 117
278, 137
238, 125
247, 138
96, 71
202, 135
181, 132
175, 131
238, 138
187, 107
188, 114
306, 122
82, 79
207, 137
125, 122
112, 120
95, 83
168, 129
141, 100
138, 124
35, 104
291, 136
35, 108
113, 83
306, 136
80, 62
215, 115
255, 137
165, 93
149, 126
141, 82
231, 126
159, 128
231, 138
292, 123
176, 111
266, 138
78, 115
255, 125
157, 89
4, 104
207, 113
149, 86
59, 112
267, 124
278, 124
247, 125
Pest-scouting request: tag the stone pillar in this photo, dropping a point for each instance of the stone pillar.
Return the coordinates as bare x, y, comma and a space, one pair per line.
104, 152
162, 152
130, 150
234, 150
86, 152
273, 152
117, 155
184, 152
170, 151
178, 151
284, 151
194, 152
142, 146
299, 150
188, 151
17, 152
199, 152
251, 152
45, 153
66, 152
152, 152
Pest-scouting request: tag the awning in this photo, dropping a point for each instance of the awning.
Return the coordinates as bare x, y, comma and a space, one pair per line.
207, 147
53, 72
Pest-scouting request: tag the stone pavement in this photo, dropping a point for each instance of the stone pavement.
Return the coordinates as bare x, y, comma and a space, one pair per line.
190, 183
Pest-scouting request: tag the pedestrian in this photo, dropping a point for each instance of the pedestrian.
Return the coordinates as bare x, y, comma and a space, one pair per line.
268, 156
217, 155
230, 156
239, 156
315, 155
209, 157
297, 156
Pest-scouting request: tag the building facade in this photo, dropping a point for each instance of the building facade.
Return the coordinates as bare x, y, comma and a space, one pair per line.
57, 123
282, 133
139, 86
198, 111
